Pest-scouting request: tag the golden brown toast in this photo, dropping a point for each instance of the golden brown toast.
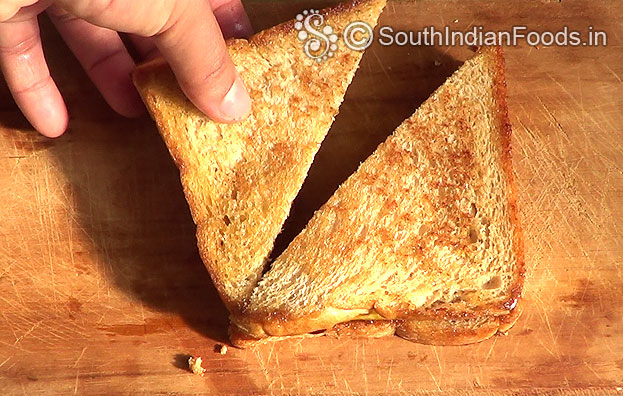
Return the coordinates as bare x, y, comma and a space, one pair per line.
423, 240
240, 180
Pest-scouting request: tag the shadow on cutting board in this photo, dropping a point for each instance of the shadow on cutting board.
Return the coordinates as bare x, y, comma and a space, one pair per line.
128, 214
128, 198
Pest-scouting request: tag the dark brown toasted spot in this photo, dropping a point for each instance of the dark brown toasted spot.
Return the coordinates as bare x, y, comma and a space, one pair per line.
493, 283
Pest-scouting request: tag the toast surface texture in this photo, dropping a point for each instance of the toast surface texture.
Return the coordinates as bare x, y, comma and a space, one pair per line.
240, 179
423, 240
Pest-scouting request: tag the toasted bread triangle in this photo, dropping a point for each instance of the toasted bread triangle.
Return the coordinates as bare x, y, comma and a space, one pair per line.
423, 239
240, 180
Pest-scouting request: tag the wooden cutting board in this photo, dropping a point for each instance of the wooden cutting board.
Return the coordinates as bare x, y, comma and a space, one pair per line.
102, 290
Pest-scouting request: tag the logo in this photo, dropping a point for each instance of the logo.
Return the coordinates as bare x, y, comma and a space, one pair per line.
320, 41
358, 35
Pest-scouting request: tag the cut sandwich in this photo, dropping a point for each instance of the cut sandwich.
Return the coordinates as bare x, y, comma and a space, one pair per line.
423, 240
240, 180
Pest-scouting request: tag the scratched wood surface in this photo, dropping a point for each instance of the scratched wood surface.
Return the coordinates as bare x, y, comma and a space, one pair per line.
102, 290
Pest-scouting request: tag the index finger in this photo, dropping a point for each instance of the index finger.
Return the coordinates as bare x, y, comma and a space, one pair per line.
188, 36
23, 65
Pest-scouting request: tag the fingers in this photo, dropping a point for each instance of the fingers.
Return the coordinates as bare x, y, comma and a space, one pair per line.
232, 18
188, 36
28, 77
104, 58
230, 15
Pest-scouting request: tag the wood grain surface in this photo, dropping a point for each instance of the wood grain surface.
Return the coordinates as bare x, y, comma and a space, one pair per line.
102, 290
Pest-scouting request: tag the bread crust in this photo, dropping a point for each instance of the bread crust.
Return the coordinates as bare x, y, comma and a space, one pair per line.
444, 325
432, 331
507, 163
352, 329
440, 330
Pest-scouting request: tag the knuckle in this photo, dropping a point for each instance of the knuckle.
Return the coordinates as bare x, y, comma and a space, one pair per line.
32, 86
21, 47
217, 69
103, 59
215, 81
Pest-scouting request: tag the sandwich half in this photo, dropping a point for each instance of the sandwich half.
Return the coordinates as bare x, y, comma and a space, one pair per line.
240, 179
423, 240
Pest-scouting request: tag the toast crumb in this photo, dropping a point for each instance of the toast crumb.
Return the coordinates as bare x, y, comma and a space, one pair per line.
194, 364
223, 349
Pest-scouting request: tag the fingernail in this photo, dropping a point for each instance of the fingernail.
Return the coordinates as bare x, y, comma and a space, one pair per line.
233, 21
242, 29
236, 105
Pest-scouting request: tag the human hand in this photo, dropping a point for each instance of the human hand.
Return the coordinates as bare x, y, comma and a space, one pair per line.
185, 32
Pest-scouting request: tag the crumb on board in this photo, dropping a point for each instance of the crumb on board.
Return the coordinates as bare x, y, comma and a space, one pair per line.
220, 348
194, 364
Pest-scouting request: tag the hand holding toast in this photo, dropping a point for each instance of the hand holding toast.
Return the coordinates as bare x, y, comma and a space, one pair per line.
188, 33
